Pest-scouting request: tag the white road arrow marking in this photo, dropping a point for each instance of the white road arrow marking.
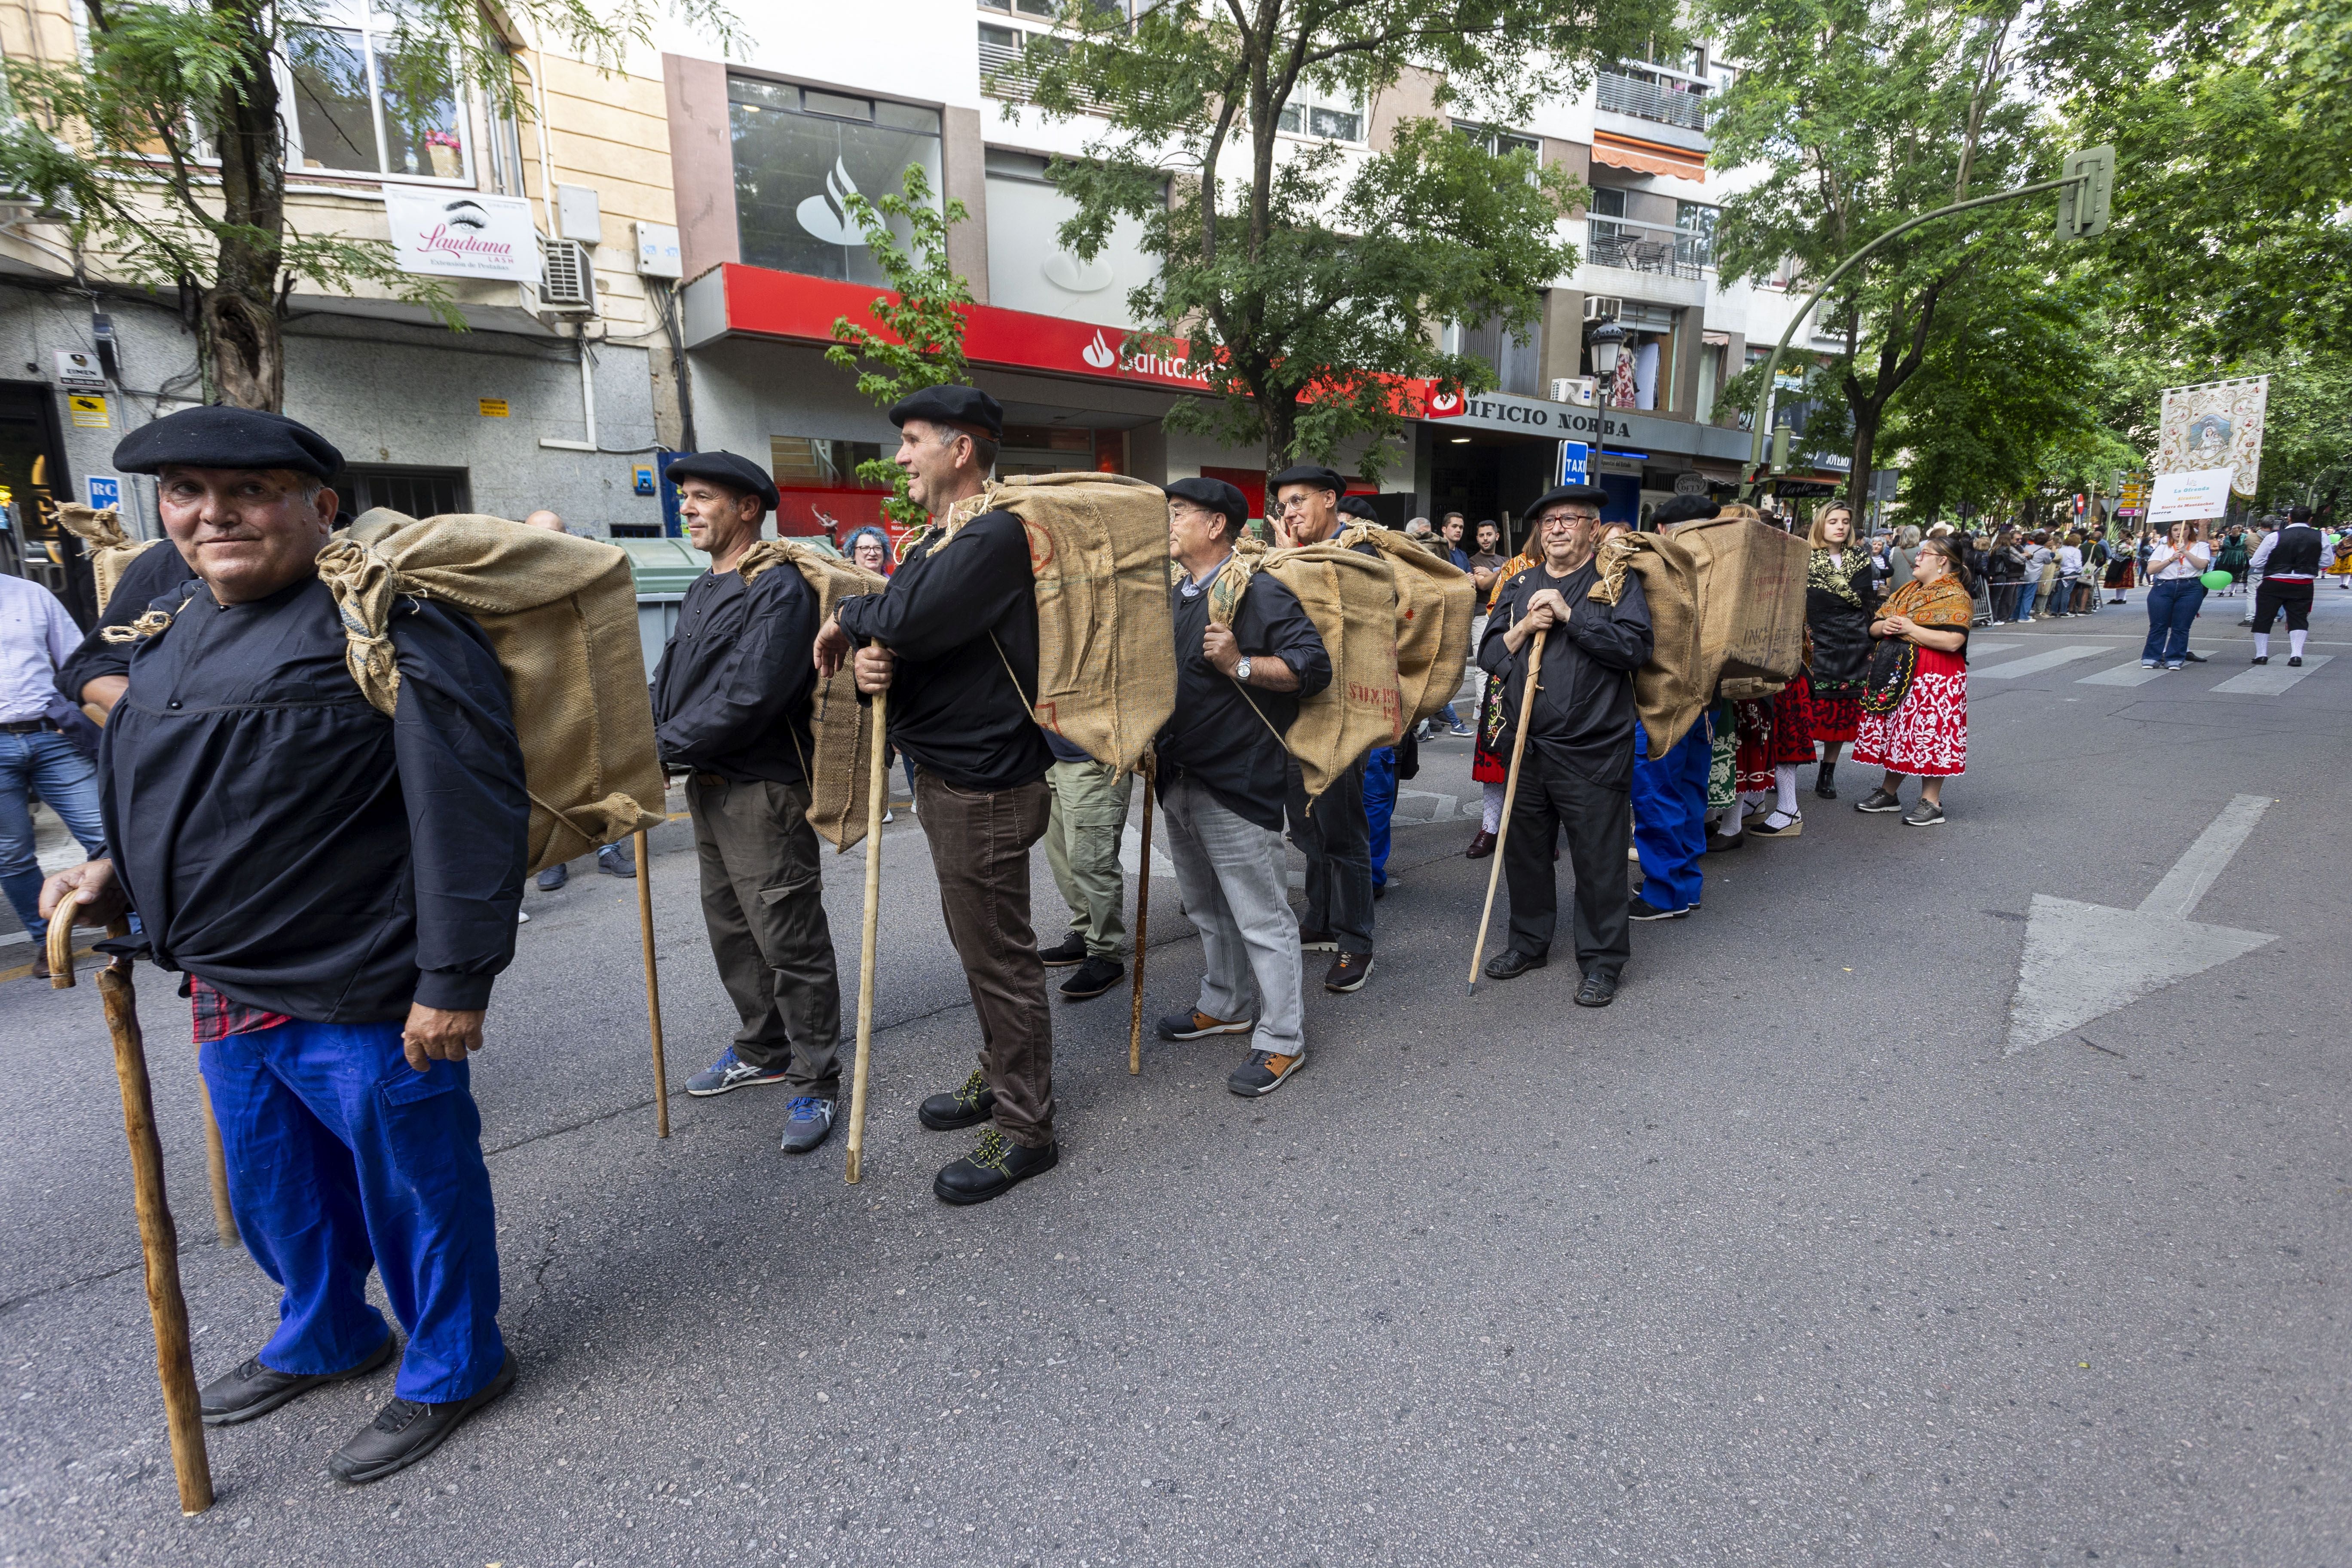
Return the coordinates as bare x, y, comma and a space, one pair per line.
2083, 961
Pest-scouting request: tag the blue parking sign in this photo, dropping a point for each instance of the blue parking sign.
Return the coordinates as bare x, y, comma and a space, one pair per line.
105, 491
1575, 462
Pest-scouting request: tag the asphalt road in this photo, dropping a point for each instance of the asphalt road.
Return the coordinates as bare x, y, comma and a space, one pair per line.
1786, 1258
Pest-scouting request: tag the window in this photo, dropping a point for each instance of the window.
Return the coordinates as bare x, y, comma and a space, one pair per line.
800, 155
813, 462
419, 492
1694, 233
1501, 142
1026, 7
1334, 120
364, 106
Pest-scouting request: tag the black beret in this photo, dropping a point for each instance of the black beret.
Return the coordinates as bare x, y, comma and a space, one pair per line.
739, 474
1359, 507
952, 404
1314, 474
221, 438
1582, 495
1216, 495
1683, 509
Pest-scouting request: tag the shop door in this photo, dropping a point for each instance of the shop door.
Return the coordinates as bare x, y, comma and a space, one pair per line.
33, 475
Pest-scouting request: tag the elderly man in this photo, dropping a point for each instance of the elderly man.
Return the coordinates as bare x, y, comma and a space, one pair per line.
340, 904
731, 711
953, 640
1336, 837
1578, 763
1223, 782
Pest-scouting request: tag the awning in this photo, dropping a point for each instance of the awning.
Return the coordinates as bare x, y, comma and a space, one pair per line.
1647, 157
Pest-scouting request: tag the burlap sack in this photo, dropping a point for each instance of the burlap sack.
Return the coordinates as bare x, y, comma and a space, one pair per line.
1435, 602
1106, 647
561, 614
111, 550
841, 770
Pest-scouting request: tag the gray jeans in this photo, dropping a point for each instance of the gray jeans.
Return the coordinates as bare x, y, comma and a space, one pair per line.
764, 904
1230, 873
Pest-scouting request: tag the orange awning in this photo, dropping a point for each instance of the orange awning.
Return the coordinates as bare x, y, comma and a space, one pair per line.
1648, 157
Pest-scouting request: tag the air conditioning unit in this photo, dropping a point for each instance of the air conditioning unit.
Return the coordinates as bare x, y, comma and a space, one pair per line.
1580, 389
1600, 308
568, 280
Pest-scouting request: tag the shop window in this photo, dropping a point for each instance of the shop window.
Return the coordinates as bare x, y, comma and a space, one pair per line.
799, 153
817, 487
363, 105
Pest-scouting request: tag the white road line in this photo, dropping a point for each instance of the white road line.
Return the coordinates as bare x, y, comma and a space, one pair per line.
2174, 897
2131, 674
1977, 645
2035, 663
2273, 678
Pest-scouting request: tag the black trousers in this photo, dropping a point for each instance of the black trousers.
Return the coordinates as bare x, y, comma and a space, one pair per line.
2273, 596
1551, 799
1336, 839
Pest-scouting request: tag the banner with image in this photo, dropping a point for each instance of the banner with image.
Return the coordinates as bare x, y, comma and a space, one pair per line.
2215, 424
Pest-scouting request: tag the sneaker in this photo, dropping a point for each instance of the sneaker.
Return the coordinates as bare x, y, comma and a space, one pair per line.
808, 1121
554, 877
1460, 730
1197, 1025
1263, 1073
1642, 910
1924, 814
1315, 941
407, 1430
1093, 978
1878, 800
254, 1389
1071, 950
994, 1167
2147, 664
1790, 826
973, 1103
728, 1072
1348, 972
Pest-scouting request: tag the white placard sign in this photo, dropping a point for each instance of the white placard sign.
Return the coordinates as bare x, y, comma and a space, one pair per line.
463, 234
2191, 496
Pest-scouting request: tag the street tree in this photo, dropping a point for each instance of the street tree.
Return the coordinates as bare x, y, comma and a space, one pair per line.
1297, 275
166, 141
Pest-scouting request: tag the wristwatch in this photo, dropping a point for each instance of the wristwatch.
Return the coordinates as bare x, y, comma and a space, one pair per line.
1241, 670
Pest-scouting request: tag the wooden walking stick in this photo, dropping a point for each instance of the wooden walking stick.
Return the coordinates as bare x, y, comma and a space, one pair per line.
1143, 924
216, 1171
159, 1240
877, 796
653, 984
1510, 793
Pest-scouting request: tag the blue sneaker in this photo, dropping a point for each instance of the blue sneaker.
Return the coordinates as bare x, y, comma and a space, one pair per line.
809, 1123
727, 1073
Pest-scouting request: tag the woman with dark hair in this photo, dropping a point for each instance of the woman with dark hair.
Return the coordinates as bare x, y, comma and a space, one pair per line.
1839, 602
1915, 703
868, 547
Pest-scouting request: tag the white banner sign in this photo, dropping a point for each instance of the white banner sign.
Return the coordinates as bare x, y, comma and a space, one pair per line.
2191, 497
463, 234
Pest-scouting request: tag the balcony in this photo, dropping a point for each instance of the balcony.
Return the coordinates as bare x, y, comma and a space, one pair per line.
1676, 105
1636, 246
1008, 71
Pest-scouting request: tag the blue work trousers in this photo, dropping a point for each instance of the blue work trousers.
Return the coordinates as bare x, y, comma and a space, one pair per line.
2171, 611
1670, 815
1379, 806
341, 1156
46, 764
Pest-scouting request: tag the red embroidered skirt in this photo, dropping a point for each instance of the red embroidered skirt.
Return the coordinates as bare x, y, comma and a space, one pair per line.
1835, 719
1928, 736
1775, 730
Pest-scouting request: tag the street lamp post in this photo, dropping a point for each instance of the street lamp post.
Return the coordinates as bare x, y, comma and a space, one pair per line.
1608, 341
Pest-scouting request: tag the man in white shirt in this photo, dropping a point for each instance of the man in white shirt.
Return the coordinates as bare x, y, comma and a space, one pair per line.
35, 757
2288, 562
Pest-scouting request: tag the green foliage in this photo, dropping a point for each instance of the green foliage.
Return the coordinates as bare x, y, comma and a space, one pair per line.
1298, 275
920, 343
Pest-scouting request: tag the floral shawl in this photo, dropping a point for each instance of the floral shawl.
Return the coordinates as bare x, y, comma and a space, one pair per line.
1820, 574
1941, 606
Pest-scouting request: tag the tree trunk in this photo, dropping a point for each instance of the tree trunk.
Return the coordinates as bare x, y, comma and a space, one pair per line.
240, 319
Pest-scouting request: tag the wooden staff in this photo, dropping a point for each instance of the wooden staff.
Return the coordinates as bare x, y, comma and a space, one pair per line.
159, 1240
877, 796
653, 984
216, 1170
1142, 926
1510, 793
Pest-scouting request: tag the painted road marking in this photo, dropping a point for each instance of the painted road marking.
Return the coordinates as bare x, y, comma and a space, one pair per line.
2035, 663
2273, 678
2131, 674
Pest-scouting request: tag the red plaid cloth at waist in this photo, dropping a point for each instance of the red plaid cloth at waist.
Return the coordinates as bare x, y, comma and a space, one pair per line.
218, 1017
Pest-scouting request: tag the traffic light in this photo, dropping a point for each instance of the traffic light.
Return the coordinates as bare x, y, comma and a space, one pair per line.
2083, 200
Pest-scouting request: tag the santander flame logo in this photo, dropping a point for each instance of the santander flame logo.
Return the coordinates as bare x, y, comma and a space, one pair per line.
1099, 353
828, 215
1445, 405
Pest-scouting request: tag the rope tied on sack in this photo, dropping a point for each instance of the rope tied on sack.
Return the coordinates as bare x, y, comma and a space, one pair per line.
101, 527
1616, 556
364, 585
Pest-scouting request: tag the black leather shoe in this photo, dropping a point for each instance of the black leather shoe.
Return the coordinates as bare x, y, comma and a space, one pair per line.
254, 1389
1510, 964
405, 1430
972, 1104
993, 1168
1597, 990
1094, 977
1065, 954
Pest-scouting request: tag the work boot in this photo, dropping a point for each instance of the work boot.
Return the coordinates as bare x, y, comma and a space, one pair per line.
994, 1168
973, 1103
254, 1389
1094, 977
1348, 972
405, 1430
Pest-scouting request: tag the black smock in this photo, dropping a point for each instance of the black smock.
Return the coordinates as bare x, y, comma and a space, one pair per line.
1584, 703
158, 572
1839, 627
1211, 733
953, 704
731, 693
294, 847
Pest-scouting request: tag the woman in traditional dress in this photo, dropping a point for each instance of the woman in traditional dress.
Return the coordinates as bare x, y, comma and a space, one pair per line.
1915, 704
1487, 763
1839, 602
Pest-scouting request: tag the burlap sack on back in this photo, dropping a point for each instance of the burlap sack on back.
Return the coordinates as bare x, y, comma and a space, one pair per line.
561, 616
1352, 600
1435, 601
840, 771
111, 550
1105, 647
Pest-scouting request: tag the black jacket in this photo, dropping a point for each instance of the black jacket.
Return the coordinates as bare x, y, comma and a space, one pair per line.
1211, 734
957, 615
156, 571
294, 847
731, 693
1584, 715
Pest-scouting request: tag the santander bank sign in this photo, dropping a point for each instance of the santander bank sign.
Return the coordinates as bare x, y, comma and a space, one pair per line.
462, 234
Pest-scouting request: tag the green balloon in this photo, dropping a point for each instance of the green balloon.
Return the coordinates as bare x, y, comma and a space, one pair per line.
2217, 580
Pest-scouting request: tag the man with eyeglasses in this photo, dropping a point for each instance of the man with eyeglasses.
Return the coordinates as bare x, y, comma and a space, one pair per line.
1578, 770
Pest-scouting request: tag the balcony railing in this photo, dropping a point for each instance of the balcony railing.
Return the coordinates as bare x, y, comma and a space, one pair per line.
1648, 100
1009, 72
1637, 246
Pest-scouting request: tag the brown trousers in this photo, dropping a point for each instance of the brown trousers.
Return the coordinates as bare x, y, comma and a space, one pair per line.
979, 852
764, 904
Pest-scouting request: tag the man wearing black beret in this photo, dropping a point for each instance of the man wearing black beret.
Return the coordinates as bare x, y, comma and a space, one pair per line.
731, 711
1336, 837
953, 640
339, 890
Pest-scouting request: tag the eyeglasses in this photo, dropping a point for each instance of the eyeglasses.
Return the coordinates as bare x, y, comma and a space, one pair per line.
1567, 518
